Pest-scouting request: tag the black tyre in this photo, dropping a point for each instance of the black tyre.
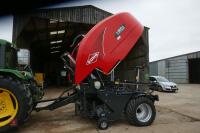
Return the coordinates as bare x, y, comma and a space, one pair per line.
36, 91
15, 98
102, 123
160, 88
141, 111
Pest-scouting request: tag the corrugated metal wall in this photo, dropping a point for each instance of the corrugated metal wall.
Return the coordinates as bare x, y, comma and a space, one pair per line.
161, 68
138, 56
85, 14
153, 68
80, 14
175, 69
194, 55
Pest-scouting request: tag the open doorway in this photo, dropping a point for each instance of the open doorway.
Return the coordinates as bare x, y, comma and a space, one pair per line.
194, 71
47, 39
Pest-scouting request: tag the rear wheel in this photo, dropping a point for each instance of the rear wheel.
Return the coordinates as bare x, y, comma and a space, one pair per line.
15, 103
140, 111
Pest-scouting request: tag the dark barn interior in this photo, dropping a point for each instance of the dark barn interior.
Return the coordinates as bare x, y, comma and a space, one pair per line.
194, 71
51, 38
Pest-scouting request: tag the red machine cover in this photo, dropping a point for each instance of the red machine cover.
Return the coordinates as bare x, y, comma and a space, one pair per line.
106, 44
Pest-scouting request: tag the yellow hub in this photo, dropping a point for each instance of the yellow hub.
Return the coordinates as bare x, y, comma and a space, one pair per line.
8, 107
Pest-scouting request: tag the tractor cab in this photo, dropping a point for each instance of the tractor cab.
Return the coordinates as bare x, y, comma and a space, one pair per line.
13, 58
8, 55
15, 61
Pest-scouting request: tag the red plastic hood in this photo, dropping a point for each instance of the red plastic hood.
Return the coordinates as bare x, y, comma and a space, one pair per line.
106, 44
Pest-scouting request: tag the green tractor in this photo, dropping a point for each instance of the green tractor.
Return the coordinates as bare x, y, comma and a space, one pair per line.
18, 89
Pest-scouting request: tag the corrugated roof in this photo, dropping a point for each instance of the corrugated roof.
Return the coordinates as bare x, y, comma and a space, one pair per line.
190, 55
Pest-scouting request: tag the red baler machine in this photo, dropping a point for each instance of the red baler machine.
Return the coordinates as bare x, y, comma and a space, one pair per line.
93, 59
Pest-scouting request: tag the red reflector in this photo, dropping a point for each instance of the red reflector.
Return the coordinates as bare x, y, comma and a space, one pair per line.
13, 123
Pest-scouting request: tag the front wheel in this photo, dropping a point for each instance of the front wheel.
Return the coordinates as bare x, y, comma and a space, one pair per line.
15, 103
102, 123
160, 89
141, 111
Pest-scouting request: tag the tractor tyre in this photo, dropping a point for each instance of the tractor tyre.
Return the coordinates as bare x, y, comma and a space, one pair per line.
140, 111
36, 92
15, 103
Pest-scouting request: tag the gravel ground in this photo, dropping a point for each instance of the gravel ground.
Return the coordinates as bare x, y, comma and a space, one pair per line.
176, 113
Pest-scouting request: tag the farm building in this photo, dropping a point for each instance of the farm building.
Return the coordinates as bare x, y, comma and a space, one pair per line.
180, 69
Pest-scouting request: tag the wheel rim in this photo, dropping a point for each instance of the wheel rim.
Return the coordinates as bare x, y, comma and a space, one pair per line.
143, 112
8, 107
103, 124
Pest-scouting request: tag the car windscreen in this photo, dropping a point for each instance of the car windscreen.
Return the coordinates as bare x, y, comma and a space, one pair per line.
152, 79
162, 79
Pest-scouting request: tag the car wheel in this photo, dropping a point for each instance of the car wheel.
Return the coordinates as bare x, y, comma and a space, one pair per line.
160, 88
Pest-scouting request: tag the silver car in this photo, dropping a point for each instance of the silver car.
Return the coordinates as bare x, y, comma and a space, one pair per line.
162, 84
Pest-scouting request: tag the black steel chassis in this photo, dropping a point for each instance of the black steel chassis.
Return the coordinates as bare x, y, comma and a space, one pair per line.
107, 103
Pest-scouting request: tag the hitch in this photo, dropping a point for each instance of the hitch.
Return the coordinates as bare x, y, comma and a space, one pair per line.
59, 101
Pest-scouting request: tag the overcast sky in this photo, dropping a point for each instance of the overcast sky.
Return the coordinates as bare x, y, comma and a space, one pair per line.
6, 25
174, 24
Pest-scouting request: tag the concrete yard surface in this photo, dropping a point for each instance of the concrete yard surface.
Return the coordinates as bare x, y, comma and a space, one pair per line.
176, 113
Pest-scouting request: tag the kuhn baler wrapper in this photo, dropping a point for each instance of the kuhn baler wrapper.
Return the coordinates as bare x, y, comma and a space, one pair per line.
93, 59
92, 62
